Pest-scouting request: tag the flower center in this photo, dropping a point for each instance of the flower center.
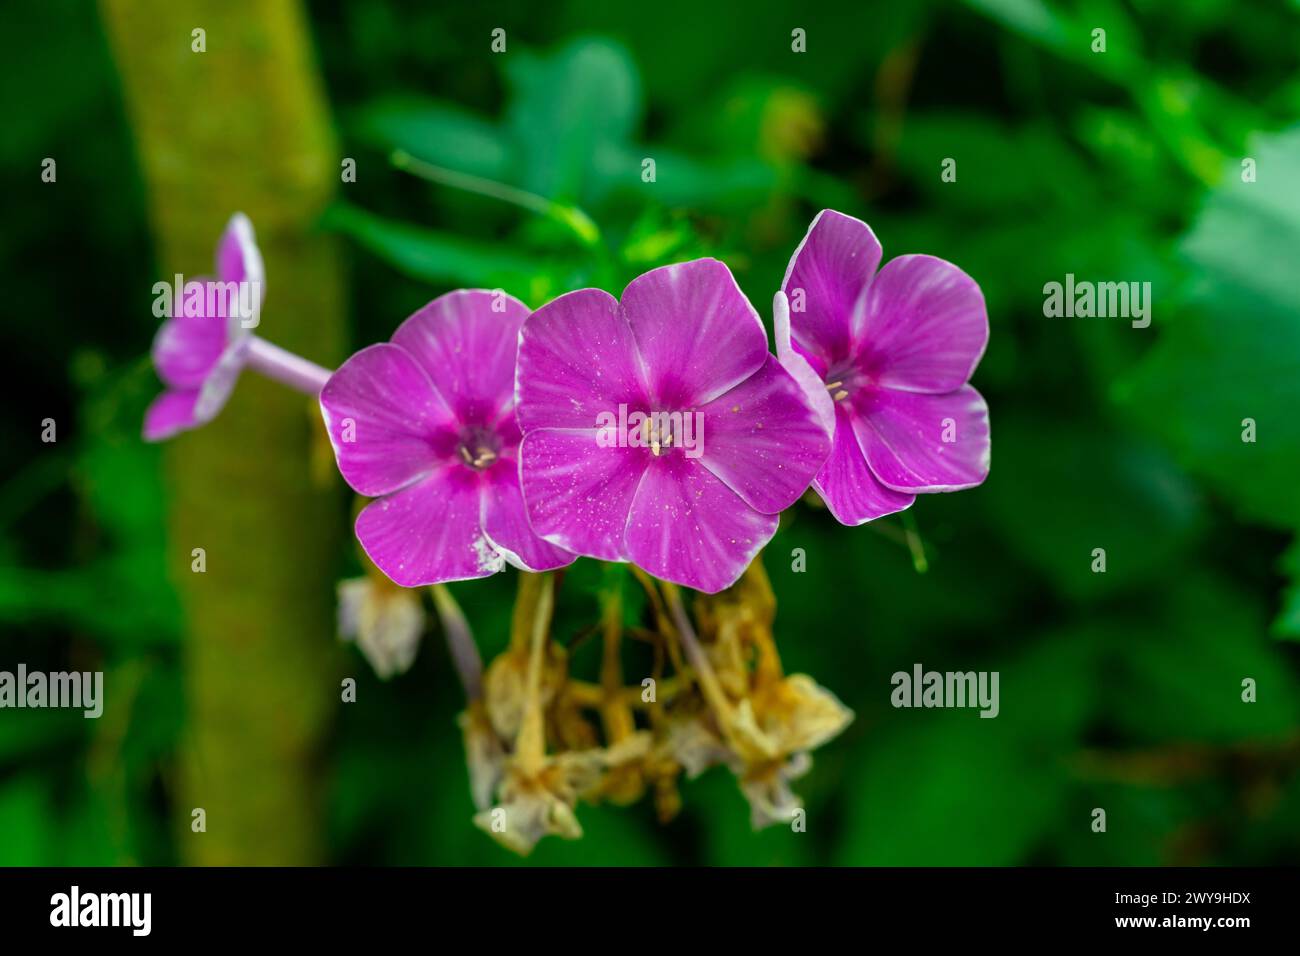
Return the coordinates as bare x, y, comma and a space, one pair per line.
844, 381
479, 447
661, 432
658, 435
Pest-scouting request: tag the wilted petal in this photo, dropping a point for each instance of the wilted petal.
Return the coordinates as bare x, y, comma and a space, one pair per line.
771, 800
577, 360
800, 714
466, 343
385, 621
923, 325
833, 264
922, 443
851, 491
696, 332
529, 809
691, 743
352, 594
430, 532
688, 527
578, 494
168, 414
763, 439
387, 423
485, 755
506, 523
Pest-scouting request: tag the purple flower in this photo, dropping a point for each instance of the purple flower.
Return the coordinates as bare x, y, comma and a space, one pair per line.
202, 347
658, 429
427, 424
885, 357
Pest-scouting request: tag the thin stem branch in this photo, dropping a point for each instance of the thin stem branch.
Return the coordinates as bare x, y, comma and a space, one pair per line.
530, 745
915, 544
661, 616
571, 217
286, 368
708, 680
615, 713
460, 642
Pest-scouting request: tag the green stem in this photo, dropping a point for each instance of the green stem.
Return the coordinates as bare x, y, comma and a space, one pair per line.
571, 217
530, 745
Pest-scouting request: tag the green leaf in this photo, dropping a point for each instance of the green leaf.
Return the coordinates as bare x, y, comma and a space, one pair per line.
25, 823
444, 259
951, 788
1179, 678
1233, 353
1062, 494
566, 108
1287, 624
438, 133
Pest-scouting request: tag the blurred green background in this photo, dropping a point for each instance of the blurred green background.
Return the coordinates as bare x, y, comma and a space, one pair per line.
1119, 690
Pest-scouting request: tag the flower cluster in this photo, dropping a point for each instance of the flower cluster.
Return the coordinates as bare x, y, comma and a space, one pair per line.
484, 431
655, 429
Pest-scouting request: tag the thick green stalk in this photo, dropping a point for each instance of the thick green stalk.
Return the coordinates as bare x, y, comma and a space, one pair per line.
244, 126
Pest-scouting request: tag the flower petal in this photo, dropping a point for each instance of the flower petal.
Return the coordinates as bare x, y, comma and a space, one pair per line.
924, 443
578, 494
833, 264
696, 332
763, 439
430, 532
923, 325
170, 413
813, 386
577, 359
220, 383
186, 348
466, 343
687, 526
239, 260
852, 493
506, 523
386, 421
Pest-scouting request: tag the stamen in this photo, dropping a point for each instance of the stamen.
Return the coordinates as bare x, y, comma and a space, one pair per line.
840, 395
659, 442
480, 458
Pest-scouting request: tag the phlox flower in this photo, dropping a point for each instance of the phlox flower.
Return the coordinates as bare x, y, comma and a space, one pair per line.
886, 357
426, 424
199, 355
682, 341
